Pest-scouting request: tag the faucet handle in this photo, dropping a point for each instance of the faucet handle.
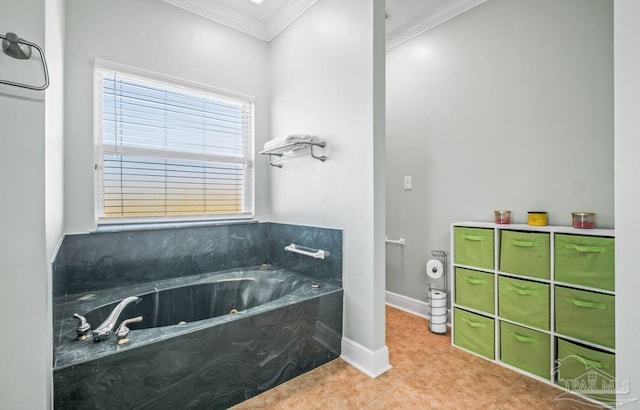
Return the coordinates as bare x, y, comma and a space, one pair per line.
123, 331
83, 327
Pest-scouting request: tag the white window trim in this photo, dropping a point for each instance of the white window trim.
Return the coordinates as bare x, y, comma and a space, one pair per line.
163, 79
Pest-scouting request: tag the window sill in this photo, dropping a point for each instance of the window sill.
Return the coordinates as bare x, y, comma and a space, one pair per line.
151, 226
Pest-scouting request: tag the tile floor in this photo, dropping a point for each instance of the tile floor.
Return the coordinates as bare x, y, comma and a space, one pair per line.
427, 374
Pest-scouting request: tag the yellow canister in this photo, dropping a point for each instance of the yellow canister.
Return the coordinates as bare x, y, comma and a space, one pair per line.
537, 218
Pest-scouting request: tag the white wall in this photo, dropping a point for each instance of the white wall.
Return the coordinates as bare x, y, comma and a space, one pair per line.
54, 156
54, 124
325, 83
25, 358
156, 36
507, 106
627, 169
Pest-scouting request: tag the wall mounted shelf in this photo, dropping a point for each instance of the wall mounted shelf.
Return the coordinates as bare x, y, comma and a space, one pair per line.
281, 150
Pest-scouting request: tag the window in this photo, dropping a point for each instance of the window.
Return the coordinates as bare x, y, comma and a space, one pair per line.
170, 150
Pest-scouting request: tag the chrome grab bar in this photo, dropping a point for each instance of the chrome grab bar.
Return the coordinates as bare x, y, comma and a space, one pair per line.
401, 241
303, 250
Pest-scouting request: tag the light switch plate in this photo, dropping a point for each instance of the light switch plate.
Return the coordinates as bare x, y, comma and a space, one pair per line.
407, 183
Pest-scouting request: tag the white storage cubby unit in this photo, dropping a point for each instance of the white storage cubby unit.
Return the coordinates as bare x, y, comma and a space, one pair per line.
538, 300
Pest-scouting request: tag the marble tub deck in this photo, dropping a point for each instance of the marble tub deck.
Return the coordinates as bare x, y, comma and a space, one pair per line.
428, 373
68, 352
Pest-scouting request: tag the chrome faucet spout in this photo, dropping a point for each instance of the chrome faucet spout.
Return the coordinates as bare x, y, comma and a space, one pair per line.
105, 330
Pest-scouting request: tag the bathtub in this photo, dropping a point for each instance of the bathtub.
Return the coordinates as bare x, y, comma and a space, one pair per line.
206, 341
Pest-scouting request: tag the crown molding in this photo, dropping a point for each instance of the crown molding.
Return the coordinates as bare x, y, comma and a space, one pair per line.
429, 20
287, 15
224, 15
295, 8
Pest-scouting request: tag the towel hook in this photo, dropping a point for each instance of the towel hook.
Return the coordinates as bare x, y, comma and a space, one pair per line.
20, 49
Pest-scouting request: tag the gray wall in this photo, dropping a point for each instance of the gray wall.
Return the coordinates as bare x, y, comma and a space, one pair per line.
156, 36
507, 106
323, 84
627, 146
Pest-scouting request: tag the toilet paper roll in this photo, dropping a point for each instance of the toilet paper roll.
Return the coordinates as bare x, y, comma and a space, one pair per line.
436, 320
434, 268
438, 299
438, 311
438, 303
439, 328
437, 294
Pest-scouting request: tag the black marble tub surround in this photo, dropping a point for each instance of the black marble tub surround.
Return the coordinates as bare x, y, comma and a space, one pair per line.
103, 260
209, 363
197, 275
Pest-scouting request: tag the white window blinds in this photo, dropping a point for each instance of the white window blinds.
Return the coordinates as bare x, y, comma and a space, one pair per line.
171, 151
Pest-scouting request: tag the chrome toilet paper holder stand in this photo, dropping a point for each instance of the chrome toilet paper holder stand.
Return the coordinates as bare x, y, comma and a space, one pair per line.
442, 257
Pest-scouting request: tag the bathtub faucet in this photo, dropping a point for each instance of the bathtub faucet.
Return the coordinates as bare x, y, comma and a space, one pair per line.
103, 331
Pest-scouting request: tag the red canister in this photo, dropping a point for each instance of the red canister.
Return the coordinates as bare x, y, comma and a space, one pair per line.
583, 220
502, 217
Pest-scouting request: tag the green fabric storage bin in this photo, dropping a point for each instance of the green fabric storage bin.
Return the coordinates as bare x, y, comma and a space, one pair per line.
524, 301
526, 253
475, 290
473, 247
526, 349
585, 315
580, 366
474, 332
585, 261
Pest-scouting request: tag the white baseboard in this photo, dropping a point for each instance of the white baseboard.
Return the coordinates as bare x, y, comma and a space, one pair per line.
414, 306
371, 363
409, 305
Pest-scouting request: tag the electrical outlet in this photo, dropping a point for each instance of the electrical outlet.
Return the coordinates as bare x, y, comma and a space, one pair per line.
407, 183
